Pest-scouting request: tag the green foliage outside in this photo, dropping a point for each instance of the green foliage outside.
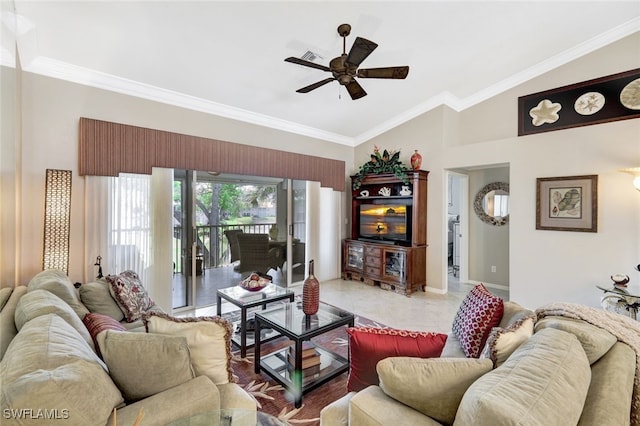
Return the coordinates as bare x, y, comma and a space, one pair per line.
224, 203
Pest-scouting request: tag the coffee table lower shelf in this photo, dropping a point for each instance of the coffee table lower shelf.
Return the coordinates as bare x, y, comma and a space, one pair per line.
276, 366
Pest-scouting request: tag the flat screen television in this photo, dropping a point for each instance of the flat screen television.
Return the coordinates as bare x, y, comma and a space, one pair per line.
385, 223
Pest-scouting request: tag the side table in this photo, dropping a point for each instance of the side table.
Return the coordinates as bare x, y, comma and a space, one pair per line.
290, 321
245, 300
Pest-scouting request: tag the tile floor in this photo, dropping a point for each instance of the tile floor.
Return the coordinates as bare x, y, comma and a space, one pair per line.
422, 311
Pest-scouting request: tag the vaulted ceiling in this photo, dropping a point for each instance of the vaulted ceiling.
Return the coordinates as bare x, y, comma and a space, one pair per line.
227, 57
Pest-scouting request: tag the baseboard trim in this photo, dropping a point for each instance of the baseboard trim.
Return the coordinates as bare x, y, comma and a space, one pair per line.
490, 285
435, 290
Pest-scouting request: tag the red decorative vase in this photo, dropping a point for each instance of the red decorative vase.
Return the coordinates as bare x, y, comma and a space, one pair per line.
310, 293
416, 160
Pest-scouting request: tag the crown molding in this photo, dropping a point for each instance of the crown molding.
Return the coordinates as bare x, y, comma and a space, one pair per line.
458, 104
64, 71
87, 77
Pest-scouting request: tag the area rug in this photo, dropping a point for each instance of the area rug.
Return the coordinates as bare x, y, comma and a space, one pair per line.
275, 400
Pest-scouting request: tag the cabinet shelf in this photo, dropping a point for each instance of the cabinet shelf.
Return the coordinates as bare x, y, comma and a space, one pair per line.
382, 197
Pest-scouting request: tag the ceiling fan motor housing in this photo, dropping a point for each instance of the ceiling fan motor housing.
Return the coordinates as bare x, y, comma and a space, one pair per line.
341, 70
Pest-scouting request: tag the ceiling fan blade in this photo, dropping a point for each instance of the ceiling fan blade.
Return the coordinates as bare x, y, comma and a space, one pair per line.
314, 86
302, 62
355, 90
388, 72
360, 50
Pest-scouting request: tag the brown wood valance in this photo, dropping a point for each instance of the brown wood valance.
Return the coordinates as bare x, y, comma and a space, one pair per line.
107, 149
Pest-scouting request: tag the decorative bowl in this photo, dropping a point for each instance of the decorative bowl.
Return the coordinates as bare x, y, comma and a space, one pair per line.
254, 282
620, 279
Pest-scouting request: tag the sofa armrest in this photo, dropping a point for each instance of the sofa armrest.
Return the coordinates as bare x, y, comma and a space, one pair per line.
233, 396
372, 407
196, 396
611, 388
8, 328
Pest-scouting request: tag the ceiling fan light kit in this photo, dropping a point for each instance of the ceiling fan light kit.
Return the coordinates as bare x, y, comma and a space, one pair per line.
345, 67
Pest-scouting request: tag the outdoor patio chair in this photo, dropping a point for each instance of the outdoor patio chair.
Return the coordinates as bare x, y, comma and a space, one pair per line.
255, 254
234, 249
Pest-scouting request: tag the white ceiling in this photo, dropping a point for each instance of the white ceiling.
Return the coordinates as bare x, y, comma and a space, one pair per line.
227, 58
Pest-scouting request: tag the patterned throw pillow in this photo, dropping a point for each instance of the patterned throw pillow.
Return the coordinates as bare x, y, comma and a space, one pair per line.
97, 323
368, 345
502, 342
479, 312
130, 294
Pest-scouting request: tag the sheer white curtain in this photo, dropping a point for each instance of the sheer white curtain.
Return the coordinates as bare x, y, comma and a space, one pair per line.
118, 224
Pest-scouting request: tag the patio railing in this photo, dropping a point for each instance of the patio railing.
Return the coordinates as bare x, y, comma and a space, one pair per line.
212, 244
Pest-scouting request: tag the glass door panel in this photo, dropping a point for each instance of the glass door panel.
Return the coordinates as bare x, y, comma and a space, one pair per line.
184, 265
355, 256
297, 225
394, 264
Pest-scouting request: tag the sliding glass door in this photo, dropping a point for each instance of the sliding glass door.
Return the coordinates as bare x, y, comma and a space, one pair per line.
210, 209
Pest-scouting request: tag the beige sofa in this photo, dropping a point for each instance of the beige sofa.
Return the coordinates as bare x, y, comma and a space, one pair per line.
50, 368
573, 369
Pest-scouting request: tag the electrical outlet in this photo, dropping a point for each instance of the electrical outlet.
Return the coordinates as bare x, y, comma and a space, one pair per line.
493, 268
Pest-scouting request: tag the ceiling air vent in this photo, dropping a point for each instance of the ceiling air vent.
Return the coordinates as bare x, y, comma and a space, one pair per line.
311, 56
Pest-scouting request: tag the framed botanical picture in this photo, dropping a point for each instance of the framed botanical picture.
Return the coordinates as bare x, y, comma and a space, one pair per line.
567, 203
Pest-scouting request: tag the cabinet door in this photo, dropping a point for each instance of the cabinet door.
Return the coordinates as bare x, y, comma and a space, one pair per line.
394, 265
354, 257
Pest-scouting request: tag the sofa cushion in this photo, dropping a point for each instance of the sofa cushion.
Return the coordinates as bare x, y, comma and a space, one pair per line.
98, 323
58, 283
595, 341
514, 312
432, 386
208, 338
8, 328
97, 298
130, 294
368, 345
479, 312
41, 302
452, 347
503, 341
142, 364
544, 382
48, 365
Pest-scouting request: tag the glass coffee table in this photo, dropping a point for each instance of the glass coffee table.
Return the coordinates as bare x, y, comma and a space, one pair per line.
289, 320
245, 300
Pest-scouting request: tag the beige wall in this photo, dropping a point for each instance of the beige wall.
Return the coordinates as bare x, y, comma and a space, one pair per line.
543, 265
50, 140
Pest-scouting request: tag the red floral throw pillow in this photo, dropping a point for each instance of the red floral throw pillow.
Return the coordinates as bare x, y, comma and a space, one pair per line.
130, 294
97, 323
368, 345
479, 312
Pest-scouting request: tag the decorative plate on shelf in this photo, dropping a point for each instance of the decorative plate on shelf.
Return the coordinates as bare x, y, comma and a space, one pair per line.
254, 282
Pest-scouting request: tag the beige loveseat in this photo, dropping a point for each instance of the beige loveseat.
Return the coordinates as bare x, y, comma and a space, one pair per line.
51, 371
573, 369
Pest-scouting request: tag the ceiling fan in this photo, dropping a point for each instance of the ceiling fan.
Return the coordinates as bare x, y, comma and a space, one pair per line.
345, 67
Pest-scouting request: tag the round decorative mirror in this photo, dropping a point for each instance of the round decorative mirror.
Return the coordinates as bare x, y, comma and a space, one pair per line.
492, 203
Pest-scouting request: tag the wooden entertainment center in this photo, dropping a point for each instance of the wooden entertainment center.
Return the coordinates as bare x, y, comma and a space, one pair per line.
396, 258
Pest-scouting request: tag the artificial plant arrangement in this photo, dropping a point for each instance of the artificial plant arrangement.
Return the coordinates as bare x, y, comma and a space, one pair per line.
387, 162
